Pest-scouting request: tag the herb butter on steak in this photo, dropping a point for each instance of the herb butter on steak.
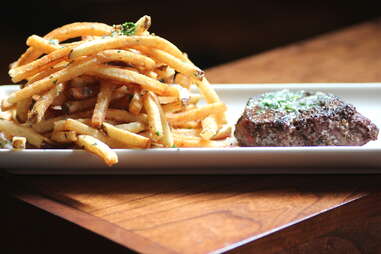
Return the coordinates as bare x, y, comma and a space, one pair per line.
302, 118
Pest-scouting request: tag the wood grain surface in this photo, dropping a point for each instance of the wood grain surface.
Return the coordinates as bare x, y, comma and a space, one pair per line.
257, 214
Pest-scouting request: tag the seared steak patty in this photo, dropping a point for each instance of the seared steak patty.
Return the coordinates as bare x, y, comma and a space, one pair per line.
302, 118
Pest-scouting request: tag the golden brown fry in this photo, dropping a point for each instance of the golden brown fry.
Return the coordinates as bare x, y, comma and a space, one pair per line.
154, 119
197, 113
47, 83
22, 110
189, 141
18, 143
42, 44
128, 76
48, 124
43, 74
102, 104
138, 60
224, 132
165, 73
187, 132
187, 125
39, 65
136, 104
211, 96
142, 25
99, 148
167, 139
134, 127
129, 138
40, 107
93, 47
173, 107
64, 33
177, 64
209, 127
12, 129
82, 128
183, 80
124, 116
64, 136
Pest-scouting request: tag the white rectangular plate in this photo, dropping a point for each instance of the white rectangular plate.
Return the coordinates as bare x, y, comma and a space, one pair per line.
239, 160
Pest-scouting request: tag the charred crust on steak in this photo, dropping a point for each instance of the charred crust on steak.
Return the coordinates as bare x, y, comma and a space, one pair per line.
302, 118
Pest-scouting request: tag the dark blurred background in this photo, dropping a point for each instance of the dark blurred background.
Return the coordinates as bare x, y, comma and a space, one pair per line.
211, 32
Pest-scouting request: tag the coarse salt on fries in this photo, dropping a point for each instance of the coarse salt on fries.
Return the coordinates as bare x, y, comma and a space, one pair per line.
115, 87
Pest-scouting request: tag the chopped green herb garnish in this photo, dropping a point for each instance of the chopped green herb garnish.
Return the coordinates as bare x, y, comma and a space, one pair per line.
290, 101
174, 146
157, 133
127, 28
54, 81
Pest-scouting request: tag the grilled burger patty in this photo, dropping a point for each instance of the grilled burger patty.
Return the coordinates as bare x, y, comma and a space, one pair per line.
302, 118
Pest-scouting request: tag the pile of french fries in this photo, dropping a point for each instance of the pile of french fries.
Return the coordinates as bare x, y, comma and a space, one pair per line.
115, 87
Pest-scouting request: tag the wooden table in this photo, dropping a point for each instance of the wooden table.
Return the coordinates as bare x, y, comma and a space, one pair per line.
200, 214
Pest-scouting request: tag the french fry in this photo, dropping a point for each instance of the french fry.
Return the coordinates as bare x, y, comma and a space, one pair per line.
128, 76
154, 119
47, 83
165, 73
124, 116
18, 143
134, 127
59, 125
40, 107
135, 59
22, 109
99, 148
39, 65
12, 129
187, 125
63, 33
173, 107
197, 113
93, 47
136, 104
177, 64
209, 127
189, 141
103, 101
183, 80
211, 97
64, 136
167, 139
43, 74
224, 132
42, 44
129, 138
48, 124
142, 25
84, 129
